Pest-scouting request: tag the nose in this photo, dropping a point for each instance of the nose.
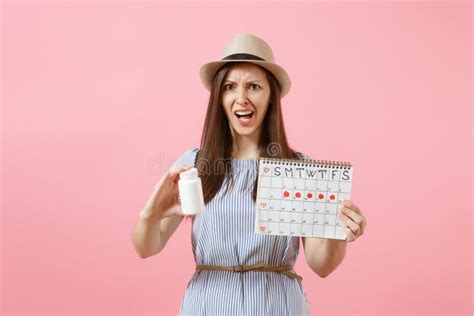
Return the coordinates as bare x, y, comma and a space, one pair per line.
241, 97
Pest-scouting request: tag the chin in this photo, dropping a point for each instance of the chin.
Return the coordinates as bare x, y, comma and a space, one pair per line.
244, 131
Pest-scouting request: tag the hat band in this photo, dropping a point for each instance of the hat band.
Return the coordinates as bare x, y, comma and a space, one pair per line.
242, 56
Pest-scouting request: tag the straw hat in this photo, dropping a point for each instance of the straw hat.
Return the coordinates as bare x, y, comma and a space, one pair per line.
247, 48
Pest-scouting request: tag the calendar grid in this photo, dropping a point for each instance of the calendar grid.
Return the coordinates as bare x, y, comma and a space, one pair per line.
300, 214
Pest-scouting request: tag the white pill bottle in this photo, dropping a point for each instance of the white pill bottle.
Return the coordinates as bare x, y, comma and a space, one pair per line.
190, 192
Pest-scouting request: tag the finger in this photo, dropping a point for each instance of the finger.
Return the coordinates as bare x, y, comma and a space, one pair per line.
357, 218
157, 189
171, 174
351, 205
350, 224
175, 171
350, 235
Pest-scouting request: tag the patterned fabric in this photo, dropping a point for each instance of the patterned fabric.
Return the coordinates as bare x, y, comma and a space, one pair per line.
224, 235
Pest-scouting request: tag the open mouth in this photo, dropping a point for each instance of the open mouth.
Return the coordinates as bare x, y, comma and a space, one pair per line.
244, 114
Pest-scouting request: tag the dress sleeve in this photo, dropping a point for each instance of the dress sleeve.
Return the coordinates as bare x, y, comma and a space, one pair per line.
302, 156
187, 158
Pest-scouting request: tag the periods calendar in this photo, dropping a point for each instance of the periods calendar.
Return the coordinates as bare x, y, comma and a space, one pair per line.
301, 197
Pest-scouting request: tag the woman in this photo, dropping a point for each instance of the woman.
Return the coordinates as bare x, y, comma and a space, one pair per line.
238, 271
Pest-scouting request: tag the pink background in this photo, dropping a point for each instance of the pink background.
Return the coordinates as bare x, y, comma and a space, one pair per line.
100, 98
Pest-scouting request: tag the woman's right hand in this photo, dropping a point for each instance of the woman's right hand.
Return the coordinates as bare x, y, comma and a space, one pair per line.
164, 201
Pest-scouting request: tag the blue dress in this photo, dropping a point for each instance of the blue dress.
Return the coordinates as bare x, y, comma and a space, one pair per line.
224, 235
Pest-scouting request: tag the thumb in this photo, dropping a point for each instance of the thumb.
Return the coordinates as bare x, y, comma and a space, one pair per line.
175, 171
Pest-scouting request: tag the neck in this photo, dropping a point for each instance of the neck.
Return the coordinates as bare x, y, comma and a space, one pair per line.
245, 146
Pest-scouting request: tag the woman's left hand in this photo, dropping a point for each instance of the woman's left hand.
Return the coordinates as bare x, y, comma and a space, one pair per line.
354, 220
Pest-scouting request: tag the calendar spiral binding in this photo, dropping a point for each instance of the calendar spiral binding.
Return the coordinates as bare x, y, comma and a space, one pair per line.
309, 162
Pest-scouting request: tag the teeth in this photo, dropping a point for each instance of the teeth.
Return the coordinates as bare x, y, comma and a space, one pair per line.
243, 112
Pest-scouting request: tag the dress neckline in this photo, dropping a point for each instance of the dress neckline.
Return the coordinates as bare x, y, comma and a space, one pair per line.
242, 159
244, 163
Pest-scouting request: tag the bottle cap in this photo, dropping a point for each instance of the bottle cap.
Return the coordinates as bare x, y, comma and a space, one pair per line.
189, 174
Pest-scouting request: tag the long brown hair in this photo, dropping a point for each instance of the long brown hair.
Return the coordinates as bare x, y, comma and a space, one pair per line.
214, 159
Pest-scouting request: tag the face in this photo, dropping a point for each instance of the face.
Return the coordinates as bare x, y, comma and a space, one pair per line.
245, 98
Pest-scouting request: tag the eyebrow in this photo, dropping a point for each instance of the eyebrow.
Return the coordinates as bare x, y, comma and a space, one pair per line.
249, 81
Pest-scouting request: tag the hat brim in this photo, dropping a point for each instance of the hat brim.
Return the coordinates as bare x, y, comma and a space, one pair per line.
208, 71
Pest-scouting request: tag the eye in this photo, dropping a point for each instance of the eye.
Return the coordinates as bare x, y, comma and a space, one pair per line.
256, 86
